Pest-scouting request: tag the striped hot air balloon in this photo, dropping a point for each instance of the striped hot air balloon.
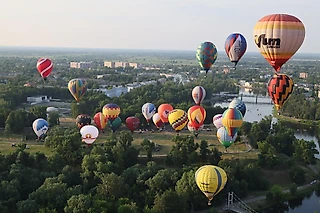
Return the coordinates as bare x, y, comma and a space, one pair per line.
280, 87
111, 111
198, 94
44, 66
77, 88
157, 120
210, 180
206, 54
224, 138
196, 115
235, 46
178, 119
100, 120
232, 120
278, 37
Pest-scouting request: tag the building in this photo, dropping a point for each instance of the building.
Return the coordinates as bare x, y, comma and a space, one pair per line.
38, 99
115, 91
109, 64
303, 75
80, 65
122, 64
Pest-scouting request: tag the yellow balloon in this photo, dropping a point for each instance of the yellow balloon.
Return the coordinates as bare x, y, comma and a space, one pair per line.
210, 180
178, 119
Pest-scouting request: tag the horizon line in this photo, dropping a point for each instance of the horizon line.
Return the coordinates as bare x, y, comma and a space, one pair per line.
104, 48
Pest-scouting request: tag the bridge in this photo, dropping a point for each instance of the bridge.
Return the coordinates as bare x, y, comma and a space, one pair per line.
235, 204
226, 95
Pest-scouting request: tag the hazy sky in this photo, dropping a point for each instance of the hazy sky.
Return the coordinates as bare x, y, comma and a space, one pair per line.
146, 24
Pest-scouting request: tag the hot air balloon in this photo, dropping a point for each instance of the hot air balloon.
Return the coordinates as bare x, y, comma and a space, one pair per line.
132, 123
210, 180
164, 110
224, 138
89, 134
111, 111
232, 120
148, 110
280, 87
196, 115
114, 124
198, 94
40, 127
235, 46
51, 109
77, 88
83, 120
239, 105
278, 37
194, 130
44, 66
217, 121
100, 120
206, 54
157, 120
178, 119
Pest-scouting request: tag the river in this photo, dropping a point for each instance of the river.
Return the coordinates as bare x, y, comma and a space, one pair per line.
255, 112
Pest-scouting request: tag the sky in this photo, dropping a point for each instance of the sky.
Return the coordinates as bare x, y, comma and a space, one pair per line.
146, 24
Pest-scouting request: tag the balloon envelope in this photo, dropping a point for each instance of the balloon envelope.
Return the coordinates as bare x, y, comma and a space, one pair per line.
196, 115
77, 88
217, 121
100, 120
239, 105
278, 37
280, 87
114, 124
178, 119
132, 123
40, 127
148, 110
89, 134
224, 138
206, 54
157, 120
44, 66
198, 94
235, 46
210, 180
164, 110
111, 111
232, 120
194, 130
83, 120
51, 109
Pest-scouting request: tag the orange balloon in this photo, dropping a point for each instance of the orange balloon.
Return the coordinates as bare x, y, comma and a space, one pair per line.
163, 111
278, 37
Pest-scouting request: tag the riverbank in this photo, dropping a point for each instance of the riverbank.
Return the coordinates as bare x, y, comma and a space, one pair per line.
294, 120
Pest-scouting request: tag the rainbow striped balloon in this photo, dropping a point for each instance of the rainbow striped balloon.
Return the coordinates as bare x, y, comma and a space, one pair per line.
278, 37
232, 119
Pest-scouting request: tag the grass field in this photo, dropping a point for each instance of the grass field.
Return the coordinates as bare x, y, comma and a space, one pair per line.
164, 139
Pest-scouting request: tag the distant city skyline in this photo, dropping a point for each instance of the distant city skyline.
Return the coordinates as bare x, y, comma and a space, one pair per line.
145, 24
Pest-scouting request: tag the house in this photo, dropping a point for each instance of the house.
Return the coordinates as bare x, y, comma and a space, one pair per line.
38, 99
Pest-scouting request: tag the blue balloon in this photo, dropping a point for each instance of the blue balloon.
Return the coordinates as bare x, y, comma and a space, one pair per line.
40, 127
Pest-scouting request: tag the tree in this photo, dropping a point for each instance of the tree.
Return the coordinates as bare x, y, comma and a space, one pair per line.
275, 194
53, 119
16, 121
204, 150
169, 201
78, 203
148, 146
297, 175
